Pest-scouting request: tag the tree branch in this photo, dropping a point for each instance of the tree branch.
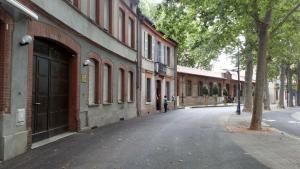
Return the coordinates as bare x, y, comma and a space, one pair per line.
284, 19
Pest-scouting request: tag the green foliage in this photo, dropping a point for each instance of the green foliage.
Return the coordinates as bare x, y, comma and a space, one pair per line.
205, 90
207, 27
225, 92
215, 90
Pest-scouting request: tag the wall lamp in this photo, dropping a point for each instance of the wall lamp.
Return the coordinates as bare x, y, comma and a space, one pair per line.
27, 39
87, 62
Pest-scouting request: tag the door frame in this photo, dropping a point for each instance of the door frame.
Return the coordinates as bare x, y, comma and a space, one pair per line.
158, 84
41, 30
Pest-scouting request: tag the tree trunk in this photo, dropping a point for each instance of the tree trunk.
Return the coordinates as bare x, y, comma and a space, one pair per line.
261, 70
298, 84
282, 86
289, 86
248, 83
266, 94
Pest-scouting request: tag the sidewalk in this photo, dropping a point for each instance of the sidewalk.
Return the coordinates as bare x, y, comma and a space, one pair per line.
212, 105
271, 147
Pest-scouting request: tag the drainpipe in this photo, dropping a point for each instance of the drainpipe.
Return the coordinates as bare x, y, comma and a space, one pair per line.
139, 62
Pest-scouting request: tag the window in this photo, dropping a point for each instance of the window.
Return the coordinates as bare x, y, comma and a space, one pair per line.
168, 57
130, 86
92, 82
200, 86
161, 53
146, 44
107, 94
131, 40
220, 89
121, 26
121, 86
84, 7
148, 90
107, 14
149, 44
168, 90
210, 88
189, 88
92, 13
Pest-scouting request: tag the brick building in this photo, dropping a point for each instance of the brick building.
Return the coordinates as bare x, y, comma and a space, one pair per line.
78, 71
158, 68
191, 81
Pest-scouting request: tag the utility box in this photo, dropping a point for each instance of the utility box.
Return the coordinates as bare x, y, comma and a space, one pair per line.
20, 117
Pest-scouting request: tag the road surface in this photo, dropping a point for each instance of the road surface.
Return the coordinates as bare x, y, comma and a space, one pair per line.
183, 139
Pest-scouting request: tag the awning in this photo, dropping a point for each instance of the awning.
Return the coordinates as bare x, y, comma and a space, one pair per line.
16, 8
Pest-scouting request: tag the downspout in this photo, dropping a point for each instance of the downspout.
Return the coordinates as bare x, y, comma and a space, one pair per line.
139, 63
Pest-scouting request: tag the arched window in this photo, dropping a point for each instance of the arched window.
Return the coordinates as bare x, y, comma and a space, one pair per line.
121, 86
220, 89
200, 86
121, 26
107, 84
210, 89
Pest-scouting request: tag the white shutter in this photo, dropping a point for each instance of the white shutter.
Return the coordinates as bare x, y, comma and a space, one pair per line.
146, 44
106, 14
162, 53
129, 32
92, 75
129, 86
153, 47
93, 10
120, 86
105, 84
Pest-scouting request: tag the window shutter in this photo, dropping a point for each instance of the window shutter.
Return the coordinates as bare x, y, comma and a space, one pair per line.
92, 75
105, 84
162, 58
153, 47
146, 44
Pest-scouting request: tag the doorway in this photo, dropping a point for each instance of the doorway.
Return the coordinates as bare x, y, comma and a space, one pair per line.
158, 95
50, 89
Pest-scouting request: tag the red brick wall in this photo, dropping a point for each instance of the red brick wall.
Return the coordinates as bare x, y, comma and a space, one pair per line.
6, 27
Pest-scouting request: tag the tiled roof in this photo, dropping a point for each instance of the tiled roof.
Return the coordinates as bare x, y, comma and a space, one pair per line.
201, 72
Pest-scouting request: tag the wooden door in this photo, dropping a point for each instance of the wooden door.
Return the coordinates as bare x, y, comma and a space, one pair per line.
50, 91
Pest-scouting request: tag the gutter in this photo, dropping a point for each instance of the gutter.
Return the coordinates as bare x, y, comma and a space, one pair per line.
22, 8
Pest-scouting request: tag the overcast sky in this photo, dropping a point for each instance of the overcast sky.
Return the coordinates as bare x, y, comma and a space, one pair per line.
223, 62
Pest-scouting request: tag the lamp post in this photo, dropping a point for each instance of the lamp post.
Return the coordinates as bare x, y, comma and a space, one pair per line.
238, 109
182, 82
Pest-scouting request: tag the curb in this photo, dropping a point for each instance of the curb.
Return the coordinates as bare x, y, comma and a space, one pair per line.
192, 107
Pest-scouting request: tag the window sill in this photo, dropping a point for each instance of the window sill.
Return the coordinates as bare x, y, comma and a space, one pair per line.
107, 103
148, 103
93, 105
150, 60
120, 102
131, 101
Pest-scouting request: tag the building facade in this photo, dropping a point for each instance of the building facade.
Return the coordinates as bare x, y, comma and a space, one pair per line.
191, 82
158, 68
67, 66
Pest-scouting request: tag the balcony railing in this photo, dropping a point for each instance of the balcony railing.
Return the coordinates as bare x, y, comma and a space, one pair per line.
160, 68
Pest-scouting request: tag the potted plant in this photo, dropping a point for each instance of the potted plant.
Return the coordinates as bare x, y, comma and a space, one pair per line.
225, 94
205, 93
215, 92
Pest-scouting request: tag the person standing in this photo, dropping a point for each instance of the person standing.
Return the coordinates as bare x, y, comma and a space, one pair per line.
166, 104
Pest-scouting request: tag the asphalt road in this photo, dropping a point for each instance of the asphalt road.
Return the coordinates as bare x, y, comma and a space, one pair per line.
283, 120
183, 139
